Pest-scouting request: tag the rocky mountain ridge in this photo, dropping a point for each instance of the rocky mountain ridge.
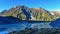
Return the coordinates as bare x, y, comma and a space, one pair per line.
26, 13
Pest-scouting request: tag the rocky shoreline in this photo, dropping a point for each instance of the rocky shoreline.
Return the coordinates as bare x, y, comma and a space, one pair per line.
38, 31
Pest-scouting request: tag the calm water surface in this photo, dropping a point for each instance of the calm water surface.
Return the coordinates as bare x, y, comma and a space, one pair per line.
6, 28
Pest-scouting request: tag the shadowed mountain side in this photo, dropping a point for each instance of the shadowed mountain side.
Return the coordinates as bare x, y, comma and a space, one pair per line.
56, 23
27, 14
8, 20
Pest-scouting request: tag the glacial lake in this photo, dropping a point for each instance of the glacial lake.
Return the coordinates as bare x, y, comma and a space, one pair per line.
6, 28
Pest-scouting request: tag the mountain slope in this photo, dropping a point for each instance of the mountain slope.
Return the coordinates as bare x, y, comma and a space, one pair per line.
25, 13
8, 20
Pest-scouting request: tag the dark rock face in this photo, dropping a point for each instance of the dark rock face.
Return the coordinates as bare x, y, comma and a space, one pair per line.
28, 15
56, 23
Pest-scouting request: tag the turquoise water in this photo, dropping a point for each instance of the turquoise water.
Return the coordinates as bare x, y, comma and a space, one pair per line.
6, 28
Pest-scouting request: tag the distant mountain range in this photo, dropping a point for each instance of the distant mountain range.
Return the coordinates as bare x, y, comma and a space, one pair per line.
26, 13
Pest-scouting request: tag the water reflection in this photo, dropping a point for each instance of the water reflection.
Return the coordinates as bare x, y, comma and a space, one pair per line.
23, 25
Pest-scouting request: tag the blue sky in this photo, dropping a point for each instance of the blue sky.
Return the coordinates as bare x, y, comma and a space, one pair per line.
47, 4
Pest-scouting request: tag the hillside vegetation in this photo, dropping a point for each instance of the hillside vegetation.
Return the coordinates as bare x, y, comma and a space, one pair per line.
25, 13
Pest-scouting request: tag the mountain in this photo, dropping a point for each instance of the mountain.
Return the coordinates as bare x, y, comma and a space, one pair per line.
56, 14
56, 23
26, 13
9, 20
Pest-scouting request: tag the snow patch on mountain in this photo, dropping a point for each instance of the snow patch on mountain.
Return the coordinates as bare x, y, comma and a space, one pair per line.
51, 13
